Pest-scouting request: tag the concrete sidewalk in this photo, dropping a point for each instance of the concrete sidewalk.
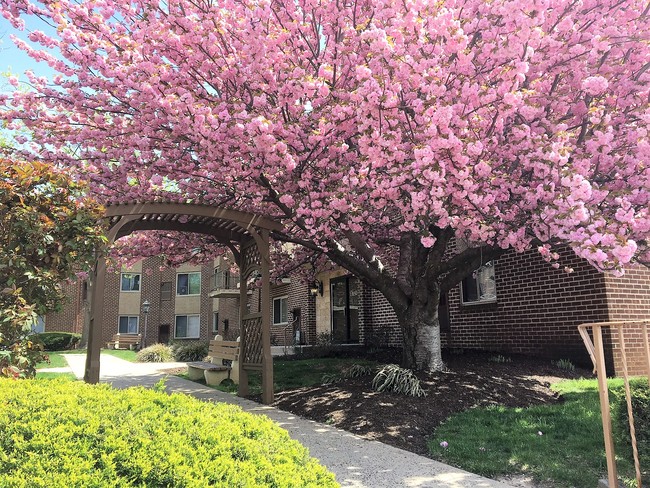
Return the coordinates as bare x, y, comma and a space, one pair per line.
356, 462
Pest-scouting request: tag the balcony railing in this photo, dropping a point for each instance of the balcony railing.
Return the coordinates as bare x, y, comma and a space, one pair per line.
224, 286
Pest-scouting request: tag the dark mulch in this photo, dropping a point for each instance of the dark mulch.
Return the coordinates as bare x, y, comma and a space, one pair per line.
405, 422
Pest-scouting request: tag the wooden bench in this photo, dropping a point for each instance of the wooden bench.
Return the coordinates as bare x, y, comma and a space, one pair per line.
124, 341
216, 370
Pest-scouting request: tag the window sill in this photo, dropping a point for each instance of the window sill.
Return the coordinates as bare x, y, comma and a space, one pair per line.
478, 303
185, 338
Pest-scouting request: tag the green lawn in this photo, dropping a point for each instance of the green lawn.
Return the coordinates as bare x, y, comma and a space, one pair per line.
127, 355
298, 373
50, 376
58, 361
560, 443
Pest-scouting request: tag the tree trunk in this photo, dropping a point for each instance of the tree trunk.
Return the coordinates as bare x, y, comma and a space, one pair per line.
85, 307
422, 347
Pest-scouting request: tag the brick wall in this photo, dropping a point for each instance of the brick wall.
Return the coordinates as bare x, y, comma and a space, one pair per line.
628, 298
111, 307
537, 310
379, 322
70, 318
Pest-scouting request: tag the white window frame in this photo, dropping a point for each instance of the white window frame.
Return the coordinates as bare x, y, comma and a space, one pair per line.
137, 324
485, 272
279, 300
133, 275
188, 294
187, 316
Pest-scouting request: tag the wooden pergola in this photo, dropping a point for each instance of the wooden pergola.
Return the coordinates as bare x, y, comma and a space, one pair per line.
247, 236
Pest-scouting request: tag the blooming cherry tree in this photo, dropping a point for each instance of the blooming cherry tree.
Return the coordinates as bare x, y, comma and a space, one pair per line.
380, 132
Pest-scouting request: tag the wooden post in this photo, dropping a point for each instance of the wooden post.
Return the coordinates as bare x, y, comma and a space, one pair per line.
265, 308
628, 401
604, 406
242, 388
91, 373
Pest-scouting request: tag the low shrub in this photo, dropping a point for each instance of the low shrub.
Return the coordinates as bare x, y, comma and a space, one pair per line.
499, 358
564, 364
58, 341
64, 433
192, 351
156, 353
353, 371
398, 380
640, 396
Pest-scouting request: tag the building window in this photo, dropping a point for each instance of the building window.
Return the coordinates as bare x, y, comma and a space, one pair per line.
188, 284
280, 311
166, 290
215, 322
187, 327
128, 324
480, 286
130, 282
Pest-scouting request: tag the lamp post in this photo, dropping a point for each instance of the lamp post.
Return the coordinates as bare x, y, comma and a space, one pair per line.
145, 309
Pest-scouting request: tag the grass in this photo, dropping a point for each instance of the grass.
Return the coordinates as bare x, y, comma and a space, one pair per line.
51, 376
560, 443
58, 361
127, 355
297, 373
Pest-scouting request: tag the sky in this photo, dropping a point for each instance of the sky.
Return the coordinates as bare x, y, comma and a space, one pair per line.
14, 60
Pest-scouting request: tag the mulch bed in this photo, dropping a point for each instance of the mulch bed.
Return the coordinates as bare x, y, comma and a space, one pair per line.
472, 380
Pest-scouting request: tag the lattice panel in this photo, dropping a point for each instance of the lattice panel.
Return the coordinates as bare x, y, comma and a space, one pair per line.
252, 353
251, 258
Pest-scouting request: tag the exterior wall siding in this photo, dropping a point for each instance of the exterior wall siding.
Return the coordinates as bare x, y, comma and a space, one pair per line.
537, 310
70, 318
628, 298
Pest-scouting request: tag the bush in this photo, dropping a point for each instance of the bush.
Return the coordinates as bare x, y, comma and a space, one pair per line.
398, 380
564, 364
157, 353
58, 341
641, 410
192, 351
67, 433
354, 371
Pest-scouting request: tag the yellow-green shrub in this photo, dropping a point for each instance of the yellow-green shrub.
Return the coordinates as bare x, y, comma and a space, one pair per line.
68, 434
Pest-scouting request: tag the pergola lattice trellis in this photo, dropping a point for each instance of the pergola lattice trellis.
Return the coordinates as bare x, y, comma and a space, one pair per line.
247, 236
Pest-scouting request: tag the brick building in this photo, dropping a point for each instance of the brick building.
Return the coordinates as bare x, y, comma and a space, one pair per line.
517, 304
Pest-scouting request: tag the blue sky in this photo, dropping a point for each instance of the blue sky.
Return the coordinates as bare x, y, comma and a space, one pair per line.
13, 59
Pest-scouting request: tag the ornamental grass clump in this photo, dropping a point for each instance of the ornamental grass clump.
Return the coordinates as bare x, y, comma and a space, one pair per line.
194, 351
398, 380
67, 433
157, 353
354, 371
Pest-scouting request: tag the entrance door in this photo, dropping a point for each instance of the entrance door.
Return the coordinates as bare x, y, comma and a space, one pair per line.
344, 294
163, 334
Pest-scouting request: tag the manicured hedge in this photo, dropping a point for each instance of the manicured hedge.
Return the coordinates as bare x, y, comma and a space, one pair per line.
58, 341
66, 433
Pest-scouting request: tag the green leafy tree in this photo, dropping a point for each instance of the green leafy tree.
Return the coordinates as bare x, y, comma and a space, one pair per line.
48, 231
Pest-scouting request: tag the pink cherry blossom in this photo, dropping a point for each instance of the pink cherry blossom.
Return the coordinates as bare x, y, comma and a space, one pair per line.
378, 132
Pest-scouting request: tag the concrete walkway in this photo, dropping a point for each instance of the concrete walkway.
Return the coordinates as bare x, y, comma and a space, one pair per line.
356, 462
